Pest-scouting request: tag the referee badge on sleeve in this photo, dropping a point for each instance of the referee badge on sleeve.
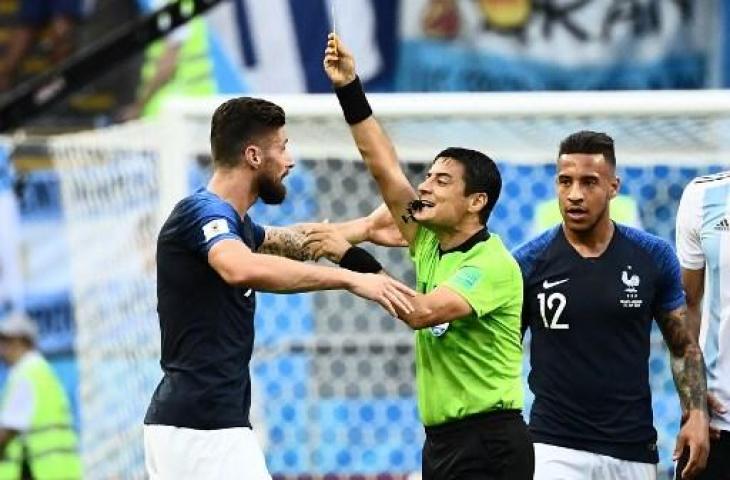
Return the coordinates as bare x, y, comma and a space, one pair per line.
216, 227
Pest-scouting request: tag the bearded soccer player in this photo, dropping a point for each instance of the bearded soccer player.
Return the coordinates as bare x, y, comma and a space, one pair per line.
703, 246
592, 288
467, 315
211, 258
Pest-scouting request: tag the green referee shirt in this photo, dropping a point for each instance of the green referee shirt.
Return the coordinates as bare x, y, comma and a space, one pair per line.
473, 364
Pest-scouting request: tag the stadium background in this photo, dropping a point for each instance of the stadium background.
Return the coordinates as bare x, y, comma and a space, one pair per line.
411, 45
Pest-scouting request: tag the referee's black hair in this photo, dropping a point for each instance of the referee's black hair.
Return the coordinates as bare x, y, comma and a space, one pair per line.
481, 175
240, 121
590, 142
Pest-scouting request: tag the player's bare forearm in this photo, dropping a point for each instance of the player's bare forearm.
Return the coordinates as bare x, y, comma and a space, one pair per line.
378, 227
286, 242
688, 365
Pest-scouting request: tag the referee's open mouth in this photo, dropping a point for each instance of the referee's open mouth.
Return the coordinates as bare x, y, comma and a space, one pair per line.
417, 205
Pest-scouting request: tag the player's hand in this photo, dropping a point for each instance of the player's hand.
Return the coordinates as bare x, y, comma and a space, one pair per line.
389, 293
339, 64
323, 240
714, 406
694, 435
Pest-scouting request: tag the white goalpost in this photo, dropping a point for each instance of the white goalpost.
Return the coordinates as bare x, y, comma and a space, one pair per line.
333, 376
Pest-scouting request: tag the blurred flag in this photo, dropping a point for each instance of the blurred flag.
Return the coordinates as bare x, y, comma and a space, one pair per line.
279, 44
11, 287
557, 45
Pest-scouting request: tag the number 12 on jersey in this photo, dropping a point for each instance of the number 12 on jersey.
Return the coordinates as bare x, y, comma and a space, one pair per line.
552, 305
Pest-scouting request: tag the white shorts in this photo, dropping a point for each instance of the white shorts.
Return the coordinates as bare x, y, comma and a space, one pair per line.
559, 463
173, 453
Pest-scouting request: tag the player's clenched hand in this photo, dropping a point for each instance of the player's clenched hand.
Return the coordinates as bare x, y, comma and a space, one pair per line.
323, 240
389, 293
339, 64
694, 435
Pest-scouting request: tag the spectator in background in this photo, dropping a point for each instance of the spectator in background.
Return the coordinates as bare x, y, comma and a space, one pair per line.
179, 65
185, 63
60, 16
37, 439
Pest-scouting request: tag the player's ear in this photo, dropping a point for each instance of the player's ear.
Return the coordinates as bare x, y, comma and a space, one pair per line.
477, 201
615, 186
252, 156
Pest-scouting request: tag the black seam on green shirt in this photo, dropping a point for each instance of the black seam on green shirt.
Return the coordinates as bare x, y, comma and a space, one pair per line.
481, 236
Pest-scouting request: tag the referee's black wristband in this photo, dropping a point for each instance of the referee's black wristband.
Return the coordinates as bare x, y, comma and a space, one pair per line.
353, 101
359, 260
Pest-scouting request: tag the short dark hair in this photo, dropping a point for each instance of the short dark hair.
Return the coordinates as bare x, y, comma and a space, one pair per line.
239, 121
481, 175
589, 142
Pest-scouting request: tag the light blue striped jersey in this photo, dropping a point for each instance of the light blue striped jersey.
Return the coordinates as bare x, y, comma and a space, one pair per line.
703, 241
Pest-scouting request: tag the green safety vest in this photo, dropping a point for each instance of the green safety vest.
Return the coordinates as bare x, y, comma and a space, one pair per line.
50, 446
194, 74
624, 210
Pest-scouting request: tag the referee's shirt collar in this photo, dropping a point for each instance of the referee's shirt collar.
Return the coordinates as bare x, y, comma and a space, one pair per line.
481, 236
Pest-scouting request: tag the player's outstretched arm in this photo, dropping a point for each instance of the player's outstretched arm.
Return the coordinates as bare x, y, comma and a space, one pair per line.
291, 241
442, 305
237, 265
374, 145
286, 242
688, 369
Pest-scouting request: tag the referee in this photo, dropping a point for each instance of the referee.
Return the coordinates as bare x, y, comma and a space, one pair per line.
467, 313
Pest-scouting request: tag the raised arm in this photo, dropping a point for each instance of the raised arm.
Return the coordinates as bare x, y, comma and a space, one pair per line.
374, 145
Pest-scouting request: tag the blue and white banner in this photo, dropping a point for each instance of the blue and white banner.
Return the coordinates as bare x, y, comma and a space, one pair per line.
279, 44
11, 286
471, 45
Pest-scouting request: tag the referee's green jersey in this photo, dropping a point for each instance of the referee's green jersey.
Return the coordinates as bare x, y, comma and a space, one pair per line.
473, 364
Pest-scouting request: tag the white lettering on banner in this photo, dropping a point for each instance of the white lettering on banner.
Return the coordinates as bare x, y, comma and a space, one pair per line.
496, 45
591, 30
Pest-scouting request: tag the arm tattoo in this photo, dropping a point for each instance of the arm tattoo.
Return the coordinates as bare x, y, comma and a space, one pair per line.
688, 365
285, 242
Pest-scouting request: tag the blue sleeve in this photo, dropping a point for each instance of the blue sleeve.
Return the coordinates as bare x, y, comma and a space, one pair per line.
205, 223
528, 253
670, 294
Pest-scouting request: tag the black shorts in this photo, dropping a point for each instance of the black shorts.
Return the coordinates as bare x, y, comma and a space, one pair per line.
718, 463
487, 446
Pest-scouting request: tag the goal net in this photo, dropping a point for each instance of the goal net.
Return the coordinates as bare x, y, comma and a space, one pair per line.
333, 375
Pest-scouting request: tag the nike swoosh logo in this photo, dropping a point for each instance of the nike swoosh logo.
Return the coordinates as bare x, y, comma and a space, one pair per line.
548, 285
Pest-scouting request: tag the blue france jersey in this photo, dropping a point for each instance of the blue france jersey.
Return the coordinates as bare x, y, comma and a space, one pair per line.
590, 320
207, 325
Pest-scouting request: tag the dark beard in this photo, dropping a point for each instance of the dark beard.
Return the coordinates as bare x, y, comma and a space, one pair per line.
271, 191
